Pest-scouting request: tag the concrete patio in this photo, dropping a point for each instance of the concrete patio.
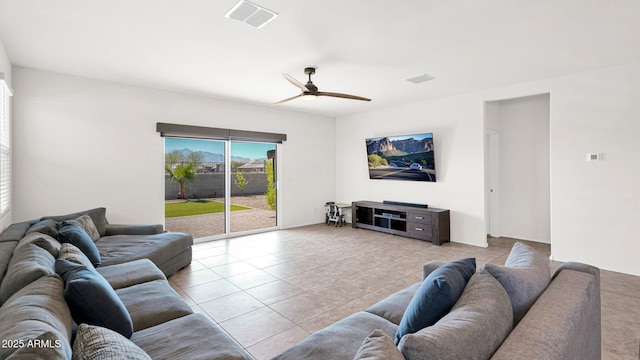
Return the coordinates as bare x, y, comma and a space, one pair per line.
258, 216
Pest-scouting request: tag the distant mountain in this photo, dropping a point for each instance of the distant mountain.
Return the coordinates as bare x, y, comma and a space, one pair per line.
212, 157
386, 147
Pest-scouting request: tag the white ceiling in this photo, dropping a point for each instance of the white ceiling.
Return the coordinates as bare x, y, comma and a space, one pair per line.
361, 47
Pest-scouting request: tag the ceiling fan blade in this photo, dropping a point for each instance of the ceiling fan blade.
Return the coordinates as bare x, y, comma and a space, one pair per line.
344, 96
295, 82
285, 100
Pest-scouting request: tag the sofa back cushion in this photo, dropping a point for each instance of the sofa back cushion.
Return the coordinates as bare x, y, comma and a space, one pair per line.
38, 312
74, 234
98, 215
42, 240
47, 226
435, 296
474, 328
15, 231
28, 263
564, 323
6, 252
92, 300
524, 276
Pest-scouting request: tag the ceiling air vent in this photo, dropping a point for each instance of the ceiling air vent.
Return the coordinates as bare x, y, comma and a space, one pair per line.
251, 14
420, 78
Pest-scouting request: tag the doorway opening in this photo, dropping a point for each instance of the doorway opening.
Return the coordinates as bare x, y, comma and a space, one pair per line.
517, 168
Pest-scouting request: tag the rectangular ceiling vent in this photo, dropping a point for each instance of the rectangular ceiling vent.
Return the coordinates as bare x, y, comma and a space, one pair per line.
421, 78
251, 14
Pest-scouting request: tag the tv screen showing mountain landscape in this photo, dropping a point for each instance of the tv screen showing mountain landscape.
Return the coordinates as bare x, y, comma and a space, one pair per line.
402, 158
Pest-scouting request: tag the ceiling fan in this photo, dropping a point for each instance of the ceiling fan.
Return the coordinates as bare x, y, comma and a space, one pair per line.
310, 91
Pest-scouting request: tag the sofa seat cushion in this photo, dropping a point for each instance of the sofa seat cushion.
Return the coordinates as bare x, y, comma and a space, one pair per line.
474, 328
524, 275
37, 312
435, 296
28, 263
131, 273
159, 248
177, 262
152, 303
95, 342
392, 308
340, 340
189, 337
91, 298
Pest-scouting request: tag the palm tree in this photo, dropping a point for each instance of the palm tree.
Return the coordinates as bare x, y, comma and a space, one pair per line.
181, 174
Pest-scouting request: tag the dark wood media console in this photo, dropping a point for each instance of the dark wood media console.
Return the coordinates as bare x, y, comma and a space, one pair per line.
427, 224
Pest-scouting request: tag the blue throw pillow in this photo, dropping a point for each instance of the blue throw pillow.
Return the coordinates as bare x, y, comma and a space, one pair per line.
74, 234
436, 296
92, 300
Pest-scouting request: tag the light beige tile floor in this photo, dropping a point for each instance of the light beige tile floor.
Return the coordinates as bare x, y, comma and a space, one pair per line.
271, 290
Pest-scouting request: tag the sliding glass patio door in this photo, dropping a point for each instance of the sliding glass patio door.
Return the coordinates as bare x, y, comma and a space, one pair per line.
253, 179
195, 186
214, 188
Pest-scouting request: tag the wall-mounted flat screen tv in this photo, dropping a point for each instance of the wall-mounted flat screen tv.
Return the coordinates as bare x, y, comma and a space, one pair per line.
408, 157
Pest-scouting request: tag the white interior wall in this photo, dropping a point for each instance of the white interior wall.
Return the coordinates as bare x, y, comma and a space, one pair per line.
523, 127
82, 143
5, 67
594, 205
71, 152
458, 149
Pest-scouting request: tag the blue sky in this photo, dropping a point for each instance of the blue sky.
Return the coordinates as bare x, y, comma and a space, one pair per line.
240, 149
415, 136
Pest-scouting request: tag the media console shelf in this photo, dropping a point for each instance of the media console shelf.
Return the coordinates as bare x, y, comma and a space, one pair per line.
427, 224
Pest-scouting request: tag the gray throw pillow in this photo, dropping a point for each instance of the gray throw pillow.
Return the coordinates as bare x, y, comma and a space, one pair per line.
474, 328
524, 276
71, 253
378, 346
95, 342
87, 225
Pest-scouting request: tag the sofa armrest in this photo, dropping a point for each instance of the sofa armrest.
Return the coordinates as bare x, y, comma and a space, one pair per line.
571, 265
134, 229
430, 266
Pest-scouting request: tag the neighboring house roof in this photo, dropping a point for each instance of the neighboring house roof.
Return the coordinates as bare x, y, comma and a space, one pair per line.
253, 164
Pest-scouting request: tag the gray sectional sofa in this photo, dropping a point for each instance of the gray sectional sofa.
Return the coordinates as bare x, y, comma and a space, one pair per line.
46, 284
516, 311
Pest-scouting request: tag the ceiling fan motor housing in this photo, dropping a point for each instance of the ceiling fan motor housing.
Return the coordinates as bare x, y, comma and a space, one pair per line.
310, 91
313, 90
